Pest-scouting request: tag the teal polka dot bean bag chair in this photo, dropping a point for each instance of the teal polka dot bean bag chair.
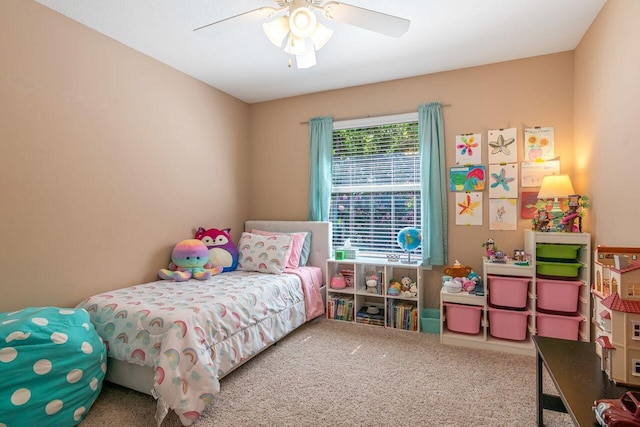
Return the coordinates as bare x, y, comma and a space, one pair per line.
52, 363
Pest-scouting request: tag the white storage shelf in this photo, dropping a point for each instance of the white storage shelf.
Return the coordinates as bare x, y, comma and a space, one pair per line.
484, 339
358, 296
533, 238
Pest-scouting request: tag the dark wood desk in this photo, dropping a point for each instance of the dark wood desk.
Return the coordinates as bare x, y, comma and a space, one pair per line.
574, 368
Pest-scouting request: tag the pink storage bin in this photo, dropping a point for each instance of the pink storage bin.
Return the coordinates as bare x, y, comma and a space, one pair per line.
508, 292
463, 318
558, 326
508, 324
558, 295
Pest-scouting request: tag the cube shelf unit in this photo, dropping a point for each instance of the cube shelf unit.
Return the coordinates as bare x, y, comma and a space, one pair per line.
490, 339
354, 298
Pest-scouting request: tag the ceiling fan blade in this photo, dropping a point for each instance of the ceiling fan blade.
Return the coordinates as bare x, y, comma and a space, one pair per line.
379, 22
232, 22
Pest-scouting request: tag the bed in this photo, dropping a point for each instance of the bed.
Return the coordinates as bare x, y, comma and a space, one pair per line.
176, 340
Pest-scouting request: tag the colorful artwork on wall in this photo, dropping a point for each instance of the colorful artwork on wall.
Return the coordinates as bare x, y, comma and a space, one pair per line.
503, 181
502, 214
469, 208
467, 178
532, 173
528, 206
538, 143
503, 147
469, 149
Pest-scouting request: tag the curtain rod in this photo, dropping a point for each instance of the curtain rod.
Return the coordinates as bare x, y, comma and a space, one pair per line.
373, 115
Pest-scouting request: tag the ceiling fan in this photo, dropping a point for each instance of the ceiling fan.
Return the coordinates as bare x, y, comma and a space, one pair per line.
299, 24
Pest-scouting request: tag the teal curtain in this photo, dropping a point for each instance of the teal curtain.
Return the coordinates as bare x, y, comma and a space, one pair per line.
321, 140
434, 187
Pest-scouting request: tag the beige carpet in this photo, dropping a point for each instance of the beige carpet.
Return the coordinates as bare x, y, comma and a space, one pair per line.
329, 373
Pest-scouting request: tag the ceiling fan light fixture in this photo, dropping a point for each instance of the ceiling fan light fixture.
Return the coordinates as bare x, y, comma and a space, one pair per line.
277, 30
302, 22
321, 36
296, 46
308, 59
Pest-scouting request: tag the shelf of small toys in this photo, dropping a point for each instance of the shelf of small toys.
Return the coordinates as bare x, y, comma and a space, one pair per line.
571, 220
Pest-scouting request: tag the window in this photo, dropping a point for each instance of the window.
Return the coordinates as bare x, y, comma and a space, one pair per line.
636, 367
375, 189
634, 289
635, 330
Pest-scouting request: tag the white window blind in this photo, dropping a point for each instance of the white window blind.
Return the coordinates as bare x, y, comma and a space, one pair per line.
375, 183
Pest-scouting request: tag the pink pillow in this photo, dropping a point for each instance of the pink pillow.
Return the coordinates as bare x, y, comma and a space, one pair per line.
297, 241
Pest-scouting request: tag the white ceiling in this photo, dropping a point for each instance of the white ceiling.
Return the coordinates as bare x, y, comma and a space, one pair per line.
443, 35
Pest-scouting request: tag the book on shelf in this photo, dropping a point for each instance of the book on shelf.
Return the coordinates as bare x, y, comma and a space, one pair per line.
363, 316
403, 315
340, 307
368, 321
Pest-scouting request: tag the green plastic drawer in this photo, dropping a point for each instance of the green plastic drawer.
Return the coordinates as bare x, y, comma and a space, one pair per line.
558, 269
558, 252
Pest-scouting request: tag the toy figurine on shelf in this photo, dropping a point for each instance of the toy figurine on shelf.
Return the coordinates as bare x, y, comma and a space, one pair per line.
499, 257
570, 215
489, 246
520, 257
541, 220
577, 207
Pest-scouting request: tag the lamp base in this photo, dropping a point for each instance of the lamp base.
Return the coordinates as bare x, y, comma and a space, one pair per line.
556, 216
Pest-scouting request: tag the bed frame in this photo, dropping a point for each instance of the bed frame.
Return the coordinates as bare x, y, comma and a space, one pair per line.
141, 378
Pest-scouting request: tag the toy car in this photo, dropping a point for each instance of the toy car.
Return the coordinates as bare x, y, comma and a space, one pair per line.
622, 412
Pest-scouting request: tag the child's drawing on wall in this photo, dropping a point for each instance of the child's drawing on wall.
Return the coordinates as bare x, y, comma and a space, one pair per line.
467, 178
468, 149
504, 181
469, 208
538, 143
503, 214
502, 145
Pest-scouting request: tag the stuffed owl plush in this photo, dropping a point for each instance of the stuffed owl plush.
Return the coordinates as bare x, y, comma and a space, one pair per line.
222, 251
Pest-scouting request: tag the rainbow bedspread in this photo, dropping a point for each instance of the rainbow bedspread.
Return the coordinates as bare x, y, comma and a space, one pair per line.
192, 333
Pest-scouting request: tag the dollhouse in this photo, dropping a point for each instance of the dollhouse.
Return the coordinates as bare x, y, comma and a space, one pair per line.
616, 312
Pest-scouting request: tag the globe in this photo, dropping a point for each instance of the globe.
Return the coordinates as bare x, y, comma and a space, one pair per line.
409, 238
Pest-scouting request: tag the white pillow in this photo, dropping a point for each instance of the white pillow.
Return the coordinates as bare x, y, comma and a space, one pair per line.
264, 254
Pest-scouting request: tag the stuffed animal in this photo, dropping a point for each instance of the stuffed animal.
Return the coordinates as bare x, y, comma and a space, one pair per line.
189, 259
407, 282
394, 287
469, 284
372, 285
414, 290
222, 251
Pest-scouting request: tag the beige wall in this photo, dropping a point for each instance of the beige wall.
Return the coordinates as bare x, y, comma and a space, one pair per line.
531, 92
107, 159
607, 111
